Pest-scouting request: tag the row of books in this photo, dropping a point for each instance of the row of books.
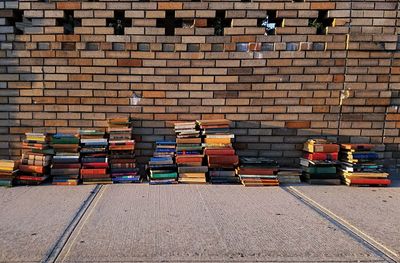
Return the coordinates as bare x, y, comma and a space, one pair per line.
162, 167
326, 162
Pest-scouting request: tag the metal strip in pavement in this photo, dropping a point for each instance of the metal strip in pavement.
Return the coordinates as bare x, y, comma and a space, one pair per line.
62, 241
378, 248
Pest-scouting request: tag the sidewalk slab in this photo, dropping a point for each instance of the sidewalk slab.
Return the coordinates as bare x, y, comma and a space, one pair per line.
33, 218
188, 223
373, 210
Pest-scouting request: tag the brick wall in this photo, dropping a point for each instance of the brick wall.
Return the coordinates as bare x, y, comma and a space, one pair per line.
341, 80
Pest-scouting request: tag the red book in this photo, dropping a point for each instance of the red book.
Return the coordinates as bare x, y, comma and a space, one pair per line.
258, 171
215, 160
93, 171
322, 156
220, 151
95, 176
31, 178
187, 159
31, 169
368, 181
66, 165
95, 165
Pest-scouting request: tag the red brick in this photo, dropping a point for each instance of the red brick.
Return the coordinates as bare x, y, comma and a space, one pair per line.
129, 62
69, 5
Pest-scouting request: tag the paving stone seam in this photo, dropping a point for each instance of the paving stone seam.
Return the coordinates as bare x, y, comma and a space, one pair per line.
60, 244
367, 241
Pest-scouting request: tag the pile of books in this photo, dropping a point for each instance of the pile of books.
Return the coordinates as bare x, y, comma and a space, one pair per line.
288, 175
94, 157
65, 164
36, 159
221, 157
258, 171
161, 167
189, 153
360, 166
319, 162
122, 151
8, 171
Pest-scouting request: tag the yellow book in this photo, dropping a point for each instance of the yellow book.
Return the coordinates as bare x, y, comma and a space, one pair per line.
217, 140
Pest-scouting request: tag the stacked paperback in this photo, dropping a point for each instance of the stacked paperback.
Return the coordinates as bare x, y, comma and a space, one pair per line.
319, 162
360, 166
94, 157
122, 151
258, 171
288, 175
36, 158
8, 171
162, 168
221, 157
189, 153
65, 165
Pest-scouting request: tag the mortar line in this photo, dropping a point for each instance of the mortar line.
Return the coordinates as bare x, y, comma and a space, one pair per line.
357, 234
59, 245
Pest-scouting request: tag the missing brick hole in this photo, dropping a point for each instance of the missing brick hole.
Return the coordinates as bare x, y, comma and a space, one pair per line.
322, 22
18, 22
68, 22
298, 1
187, 23
169, 23
270, 22
219, 23
119, 22
68, 46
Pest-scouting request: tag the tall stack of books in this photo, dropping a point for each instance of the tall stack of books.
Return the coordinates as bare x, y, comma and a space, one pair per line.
221, 157
8, 171
65, 166
122, 151
360, 166
161, 167
94, 157
288, 175
36, 158
319, 162
189, 153
258, 171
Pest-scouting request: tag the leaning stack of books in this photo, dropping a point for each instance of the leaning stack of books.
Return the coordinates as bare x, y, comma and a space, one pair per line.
94, 157
319, 162
161, 167
36, 159
288, 175
221, 157
189, 153
8, 171
258, 171
122, 151
360, 166
65, 165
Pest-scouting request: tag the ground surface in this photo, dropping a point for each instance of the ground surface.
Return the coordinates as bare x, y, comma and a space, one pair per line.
199, 223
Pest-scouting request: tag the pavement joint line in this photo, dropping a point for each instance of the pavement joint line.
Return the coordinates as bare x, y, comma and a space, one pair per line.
62, 241
378, 248
79, 226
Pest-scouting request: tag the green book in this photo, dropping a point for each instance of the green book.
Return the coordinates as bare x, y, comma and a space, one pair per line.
65, 140
320, 170
164, 176
6, 183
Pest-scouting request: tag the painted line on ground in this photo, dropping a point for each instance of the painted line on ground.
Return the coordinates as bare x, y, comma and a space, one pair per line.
375, 246
59, 245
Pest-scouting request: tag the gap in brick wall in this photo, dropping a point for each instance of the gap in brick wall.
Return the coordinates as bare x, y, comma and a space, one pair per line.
119, 22
68, 22
16, 21
68, 46
270, 18
169, 23
298, 1
219, 23
322, 22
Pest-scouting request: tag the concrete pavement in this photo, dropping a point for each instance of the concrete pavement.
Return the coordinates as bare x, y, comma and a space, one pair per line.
197, 223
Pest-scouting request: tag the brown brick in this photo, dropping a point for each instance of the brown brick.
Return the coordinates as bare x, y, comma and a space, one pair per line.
170, 5
298, 124
129, 62
154, 94
69, 5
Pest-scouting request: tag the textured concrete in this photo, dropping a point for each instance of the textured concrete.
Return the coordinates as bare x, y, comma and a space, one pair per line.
375, 211
206, 223
33, 218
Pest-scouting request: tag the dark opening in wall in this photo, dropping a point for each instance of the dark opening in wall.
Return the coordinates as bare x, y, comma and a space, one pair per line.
119, 22
245, 1
322, 22
298, 1
169, 23
219, 22
68, 22
68, 46
187, 23
270, 22
18, 21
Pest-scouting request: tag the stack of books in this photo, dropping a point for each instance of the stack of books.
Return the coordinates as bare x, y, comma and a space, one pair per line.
94, 157
258, 171
360, 166
319, 162
189, 153
65, 165
36, 159
8, 171
162, 167
221, 157
122, 151
287, 175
